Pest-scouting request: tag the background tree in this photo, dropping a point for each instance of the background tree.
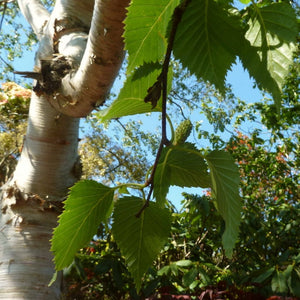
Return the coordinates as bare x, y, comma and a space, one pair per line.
14, 106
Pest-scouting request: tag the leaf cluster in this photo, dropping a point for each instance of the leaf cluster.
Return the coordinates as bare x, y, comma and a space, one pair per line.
141, 227
265, 260
205, 37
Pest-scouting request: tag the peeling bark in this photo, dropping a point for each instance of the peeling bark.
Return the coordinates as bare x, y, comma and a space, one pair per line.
79, 56
25, 260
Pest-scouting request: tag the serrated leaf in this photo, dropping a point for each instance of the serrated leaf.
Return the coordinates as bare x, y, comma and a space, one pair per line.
145, 30
131, 97
272, 33
207, 41
89, 203
140, 239
225, 189
183, 166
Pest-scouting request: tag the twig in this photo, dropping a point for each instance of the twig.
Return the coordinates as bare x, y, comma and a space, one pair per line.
163, 78
3, 14
7, 64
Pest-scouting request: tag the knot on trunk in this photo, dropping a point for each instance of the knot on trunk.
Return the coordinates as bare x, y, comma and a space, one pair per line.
52, 72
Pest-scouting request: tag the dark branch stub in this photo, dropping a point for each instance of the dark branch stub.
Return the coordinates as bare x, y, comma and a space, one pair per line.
50, 76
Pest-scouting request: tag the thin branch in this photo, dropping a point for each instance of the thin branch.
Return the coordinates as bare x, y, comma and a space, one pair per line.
177, 15
7, 64
3, 14
36, 15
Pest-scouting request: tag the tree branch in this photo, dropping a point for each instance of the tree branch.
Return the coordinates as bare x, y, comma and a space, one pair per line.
36, 15
101, 61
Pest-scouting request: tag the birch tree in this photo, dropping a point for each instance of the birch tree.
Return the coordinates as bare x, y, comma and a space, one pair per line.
80, 53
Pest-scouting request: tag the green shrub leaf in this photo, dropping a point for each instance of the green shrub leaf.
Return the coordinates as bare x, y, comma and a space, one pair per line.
140, 238
279, 283
88, 204
294, 282
225, 180
145, 30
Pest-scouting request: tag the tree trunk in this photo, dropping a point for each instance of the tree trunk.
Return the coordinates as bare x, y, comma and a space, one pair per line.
31, 203
74, 73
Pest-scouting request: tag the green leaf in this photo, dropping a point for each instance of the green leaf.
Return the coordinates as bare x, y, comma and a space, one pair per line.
225, 189
145, 30
272, 33
140, 239
183, 166
88, 204
294, 283
189, 277
166, 270
207, 41
131, 97
279, 283
264, 275
184, 263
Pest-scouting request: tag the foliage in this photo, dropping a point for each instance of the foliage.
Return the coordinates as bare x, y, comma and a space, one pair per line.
265, 261
271, 211
115, 158
14, 105
88, 204
206, 38
140, 238
17, 38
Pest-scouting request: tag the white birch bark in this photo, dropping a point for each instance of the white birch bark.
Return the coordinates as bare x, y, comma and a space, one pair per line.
26, 264
49, 152
46, 168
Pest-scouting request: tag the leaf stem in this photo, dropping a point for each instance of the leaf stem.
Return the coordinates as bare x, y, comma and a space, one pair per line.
136, 186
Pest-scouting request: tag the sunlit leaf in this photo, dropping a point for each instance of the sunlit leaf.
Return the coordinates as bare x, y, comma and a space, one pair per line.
207, 40
88, 204
183, 166
131, 97
225, 189
145, 30
140, 238
272, 33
